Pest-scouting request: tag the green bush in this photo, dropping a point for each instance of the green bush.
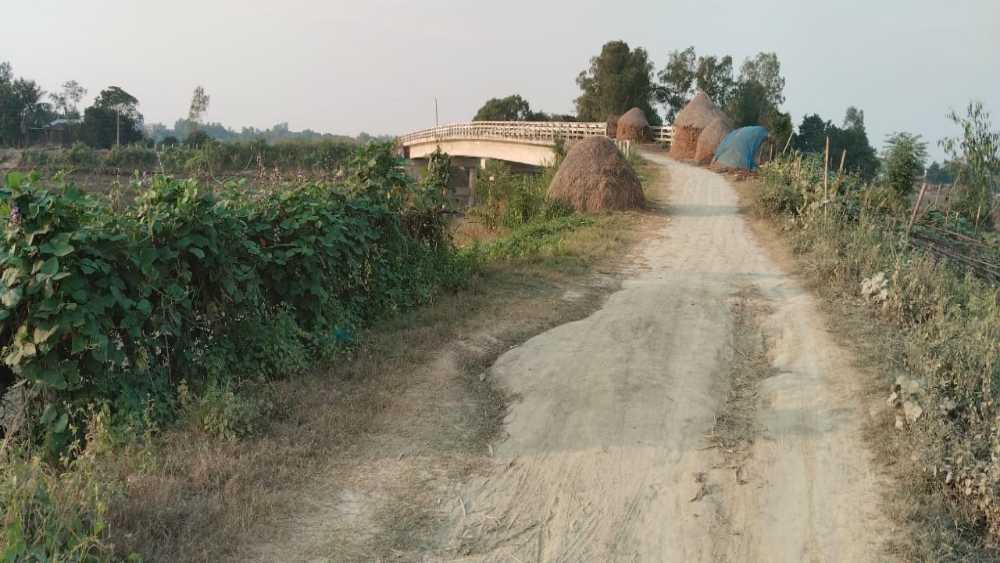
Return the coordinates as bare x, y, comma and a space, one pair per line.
119, 307
513, 200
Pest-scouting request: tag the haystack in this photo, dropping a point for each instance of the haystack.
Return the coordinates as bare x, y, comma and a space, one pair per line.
690, 122
710, 138
594, 176
612, 128
633, 126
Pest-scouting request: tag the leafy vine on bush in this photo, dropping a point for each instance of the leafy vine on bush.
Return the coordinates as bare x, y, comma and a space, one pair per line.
118, 308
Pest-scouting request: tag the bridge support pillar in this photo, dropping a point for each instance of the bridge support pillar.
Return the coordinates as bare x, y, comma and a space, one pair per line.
473, 174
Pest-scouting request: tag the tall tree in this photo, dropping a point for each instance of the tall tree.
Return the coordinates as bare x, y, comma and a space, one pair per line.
685, 73
21, 107
976, 153
765, 69
66, 102
511, 108
714, 76
860, 157
618, 79
199, 104
677, 81
113, 119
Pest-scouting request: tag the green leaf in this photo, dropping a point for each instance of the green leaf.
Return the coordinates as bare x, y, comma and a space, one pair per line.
79, 344
50, 267
4, 314
58, 248
197, 252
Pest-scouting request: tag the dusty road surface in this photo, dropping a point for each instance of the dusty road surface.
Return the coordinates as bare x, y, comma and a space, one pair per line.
610, 450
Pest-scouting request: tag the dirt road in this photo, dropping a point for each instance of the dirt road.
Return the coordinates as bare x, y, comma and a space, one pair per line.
611, 451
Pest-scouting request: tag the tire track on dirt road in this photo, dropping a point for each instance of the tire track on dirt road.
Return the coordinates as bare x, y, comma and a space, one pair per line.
606, 456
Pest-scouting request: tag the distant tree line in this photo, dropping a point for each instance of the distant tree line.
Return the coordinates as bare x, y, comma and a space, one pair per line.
30, 116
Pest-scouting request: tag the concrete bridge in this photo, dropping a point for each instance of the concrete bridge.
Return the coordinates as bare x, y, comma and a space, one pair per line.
524, 142
525, 145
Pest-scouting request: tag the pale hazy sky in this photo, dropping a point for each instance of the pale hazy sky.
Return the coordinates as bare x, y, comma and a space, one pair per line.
376, 65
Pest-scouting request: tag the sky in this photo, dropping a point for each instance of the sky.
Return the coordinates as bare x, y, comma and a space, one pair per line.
377, 65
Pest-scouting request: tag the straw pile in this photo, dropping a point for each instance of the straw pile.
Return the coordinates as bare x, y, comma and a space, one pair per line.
612, 129
594, 176
690, 122
633, 126
710, 138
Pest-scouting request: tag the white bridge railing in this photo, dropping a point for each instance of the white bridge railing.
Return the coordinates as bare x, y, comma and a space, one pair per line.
540, 132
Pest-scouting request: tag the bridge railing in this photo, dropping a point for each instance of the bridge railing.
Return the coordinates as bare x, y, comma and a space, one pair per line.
531, 131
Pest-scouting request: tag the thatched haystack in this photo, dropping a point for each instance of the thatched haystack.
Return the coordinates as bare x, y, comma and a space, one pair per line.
612, 129
690, 122
710, 138
633, 126
594, 176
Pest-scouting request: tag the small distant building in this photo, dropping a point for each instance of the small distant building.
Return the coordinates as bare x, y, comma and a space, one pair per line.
58, 132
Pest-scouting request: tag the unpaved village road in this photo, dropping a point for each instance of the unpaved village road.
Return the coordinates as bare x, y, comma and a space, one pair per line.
702, 413
608, 455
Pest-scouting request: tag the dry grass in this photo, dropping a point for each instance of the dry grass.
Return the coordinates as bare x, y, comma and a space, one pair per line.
930, 529
735, 426
379, 422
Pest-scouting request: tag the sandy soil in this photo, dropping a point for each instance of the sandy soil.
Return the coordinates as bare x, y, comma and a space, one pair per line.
607, 456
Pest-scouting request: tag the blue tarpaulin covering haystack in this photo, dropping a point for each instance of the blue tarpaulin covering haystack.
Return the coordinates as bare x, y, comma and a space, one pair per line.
739, 148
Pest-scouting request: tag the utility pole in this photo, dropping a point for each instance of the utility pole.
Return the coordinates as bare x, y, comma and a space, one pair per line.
436, 122
118, 126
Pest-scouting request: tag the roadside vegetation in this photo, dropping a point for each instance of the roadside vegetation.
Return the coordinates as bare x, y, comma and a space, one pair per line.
182, 319
926, 319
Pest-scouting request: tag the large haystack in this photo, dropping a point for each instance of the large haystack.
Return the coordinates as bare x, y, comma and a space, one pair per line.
633, 126
690, 122
710, 138
594, 176
612, 128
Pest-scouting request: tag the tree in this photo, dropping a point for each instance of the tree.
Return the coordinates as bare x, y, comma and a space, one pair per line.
977, 152
685, 74
618, 79
511, 108
715, 78
765, 69
113, 119
938, 174
197, 139
860, 157
854, 118
199, 104
904, 157
21, 107
749, 104
66, 103
677, 81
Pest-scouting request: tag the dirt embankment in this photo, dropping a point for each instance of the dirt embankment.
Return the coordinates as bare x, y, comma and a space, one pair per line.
702, 413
